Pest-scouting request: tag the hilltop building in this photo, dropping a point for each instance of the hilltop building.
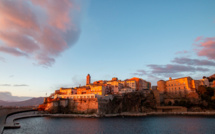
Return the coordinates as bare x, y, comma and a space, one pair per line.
97, 89
102, 88
181, 86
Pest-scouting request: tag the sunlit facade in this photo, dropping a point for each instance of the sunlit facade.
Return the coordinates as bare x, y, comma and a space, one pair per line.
179, 86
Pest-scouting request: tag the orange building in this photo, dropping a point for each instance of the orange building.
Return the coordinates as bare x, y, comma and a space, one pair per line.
83, 90
88, 79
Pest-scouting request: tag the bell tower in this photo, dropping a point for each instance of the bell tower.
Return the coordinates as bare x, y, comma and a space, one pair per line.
88, 79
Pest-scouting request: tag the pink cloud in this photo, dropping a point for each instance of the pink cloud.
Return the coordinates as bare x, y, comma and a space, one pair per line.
206, 48
12, 51
198, 38
37, 28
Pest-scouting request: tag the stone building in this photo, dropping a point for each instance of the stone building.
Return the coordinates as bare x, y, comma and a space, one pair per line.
179, 86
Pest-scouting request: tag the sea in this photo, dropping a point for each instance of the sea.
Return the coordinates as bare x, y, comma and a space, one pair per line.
117, 125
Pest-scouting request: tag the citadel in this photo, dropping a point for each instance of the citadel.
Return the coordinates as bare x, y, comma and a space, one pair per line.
130, 95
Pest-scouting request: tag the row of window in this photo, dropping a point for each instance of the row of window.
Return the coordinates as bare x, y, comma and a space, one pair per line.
174, 84
177, 88
177, 91
79, 97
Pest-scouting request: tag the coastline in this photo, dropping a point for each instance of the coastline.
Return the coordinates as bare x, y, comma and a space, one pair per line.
126, 114
11, 124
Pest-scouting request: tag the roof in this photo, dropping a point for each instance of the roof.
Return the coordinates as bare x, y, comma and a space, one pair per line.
180, 78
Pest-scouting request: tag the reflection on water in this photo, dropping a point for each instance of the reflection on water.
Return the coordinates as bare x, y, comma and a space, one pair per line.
138, 125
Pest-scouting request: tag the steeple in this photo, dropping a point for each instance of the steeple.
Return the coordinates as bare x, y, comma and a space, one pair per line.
88, 79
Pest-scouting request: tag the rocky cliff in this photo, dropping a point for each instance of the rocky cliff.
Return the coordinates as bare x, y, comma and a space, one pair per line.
130, 102
73, 106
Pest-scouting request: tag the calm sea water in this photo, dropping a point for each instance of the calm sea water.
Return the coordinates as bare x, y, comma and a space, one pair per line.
117, 125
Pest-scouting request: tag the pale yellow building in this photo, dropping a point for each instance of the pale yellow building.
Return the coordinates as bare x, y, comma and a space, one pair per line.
97, 89
179, 86
66, 91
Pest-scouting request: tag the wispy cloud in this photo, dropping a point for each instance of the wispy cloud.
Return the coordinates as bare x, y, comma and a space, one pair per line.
7, 96
20, 85
11, 76
5, 85
39, 29
184, 66
174, 68
2, 59
14, 85
196, 62
182, 52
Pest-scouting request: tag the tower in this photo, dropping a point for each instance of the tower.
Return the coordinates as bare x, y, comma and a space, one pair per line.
88, 79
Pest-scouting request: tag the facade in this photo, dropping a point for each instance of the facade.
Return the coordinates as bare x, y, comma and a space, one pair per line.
83, 90
75, 96
102, 88
97, 89
131, 83
141, 84
179, 86
126, 90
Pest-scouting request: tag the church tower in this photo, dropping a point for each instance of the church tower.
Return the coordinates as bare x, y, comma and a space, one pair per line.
88, 79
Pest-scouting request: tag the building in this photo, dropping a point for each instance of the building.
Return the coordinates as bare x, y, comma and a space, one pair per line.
88, 79
141, 84
98, 89
126, 90
84, 90
179, 86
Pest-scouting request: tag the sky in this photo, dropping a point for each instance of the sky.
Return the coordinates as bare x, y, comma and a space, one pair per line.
45, 45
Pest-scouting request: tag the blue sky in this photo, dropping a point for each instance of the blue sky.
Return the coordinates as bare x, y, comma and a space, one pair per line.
112, 38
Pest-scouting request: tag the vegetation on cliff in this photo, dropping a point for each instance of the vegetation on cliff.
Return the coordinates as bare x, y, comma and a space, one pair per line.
129, 102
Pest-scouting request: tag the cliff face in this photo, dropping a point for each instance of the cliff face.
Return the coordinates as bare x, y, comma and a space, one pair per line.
131, 102
75, 106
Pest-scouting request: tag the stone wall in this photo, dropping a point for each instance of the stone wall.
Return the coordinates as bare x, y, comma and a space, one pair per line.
74, 106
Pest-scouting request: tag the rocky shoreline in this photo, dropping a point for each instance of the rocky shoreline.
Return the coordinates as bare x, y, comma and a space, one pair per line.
130, 114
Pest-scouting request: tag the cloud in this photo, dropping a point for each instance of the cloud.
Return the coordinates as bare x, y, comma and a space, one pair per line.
7, 96
20, 85
38, 29
5, 85
140, 72
206, 47
198, 38
169, 70
197, 62
11, 76
182, 52
15, 85
2, 59
173, 68
12, 51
